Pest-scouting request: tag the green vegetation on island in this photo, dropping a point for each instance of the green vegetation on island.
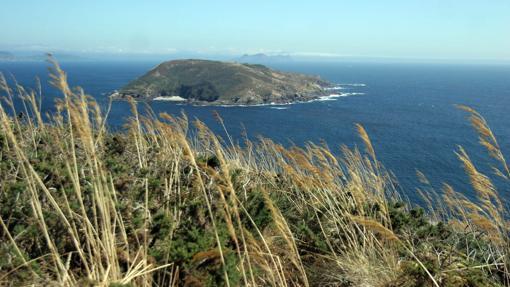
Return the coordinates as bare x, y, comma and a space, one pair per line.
157, 205
223, 83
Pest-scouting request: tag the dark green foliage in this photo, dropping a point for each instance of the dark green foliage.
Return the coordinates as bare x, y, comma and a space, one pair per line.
193, 247
414, 220
204, 91
210, 161
190, 243
439, 247
256, 207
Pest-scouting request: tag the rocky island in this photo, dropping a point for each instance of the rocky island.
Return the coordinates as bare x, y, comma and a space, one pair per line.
205, 82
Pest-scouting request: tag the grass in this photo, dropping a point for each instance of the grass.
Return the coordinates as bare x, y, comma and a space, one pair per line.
157, 205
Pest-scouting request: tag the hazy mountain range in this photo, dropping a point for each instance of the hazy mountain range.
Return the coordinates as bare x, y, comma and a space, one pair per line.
262, 58
38, 56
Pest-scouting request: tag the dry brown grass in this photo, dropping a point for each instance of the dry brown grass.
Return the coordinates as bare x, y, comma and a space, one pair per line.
347, 200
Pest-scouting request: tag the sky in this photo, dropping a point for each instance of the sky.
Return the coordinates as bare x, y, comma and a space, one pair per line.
438, 29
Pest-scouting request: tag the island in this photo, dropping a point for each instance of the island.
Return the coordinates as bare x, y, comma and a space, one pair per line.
205, 82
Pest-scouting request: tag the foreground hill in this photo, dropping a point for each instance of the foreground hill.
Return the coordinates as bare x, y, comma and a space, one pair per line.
166, 202
223, 83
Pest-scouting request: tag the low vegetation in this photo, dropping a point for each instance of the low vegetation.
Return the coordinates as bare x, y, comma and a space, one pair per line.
204, 82
166, 202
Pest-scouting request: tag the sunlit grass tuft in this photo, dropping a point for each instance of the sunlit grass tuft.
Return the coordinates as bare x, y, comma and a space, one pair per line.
166, 202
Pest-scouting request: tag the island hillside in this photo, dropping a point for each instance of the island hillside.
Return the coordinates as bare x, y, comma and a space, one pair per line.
222, 83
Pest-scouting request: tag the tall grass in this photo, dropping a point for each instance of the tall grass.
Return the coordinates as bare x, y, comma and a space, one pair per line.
159, 205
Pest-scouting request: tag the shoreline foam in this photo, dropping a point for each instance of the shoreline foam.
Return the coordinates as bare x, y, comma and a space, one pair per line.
170, 99
274, 105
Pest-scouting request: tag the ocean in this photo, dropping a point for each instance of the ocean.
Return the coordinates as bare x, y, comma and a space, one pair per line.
409, 111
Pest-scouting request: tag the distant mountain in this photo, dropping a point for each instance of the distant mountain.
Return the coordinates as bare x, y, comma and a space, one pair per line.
37, 56
6, 56
222, 83
262, 58
58, 56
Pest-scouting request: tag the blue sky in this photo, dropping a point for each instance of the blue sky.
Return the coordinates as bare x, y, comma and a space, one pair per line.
441, 29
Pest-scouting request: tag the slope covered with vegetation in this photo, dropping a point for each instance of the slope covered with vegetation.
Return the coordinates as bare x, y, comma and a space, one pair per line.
156, 205
223, 83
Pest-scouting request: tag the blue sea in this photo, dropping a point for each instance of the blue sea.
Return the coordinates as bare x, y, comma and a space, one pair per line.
408, 110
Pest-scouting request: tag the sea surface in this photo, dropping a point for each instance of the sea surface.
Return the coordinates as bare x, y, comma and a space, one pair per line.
408, 110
